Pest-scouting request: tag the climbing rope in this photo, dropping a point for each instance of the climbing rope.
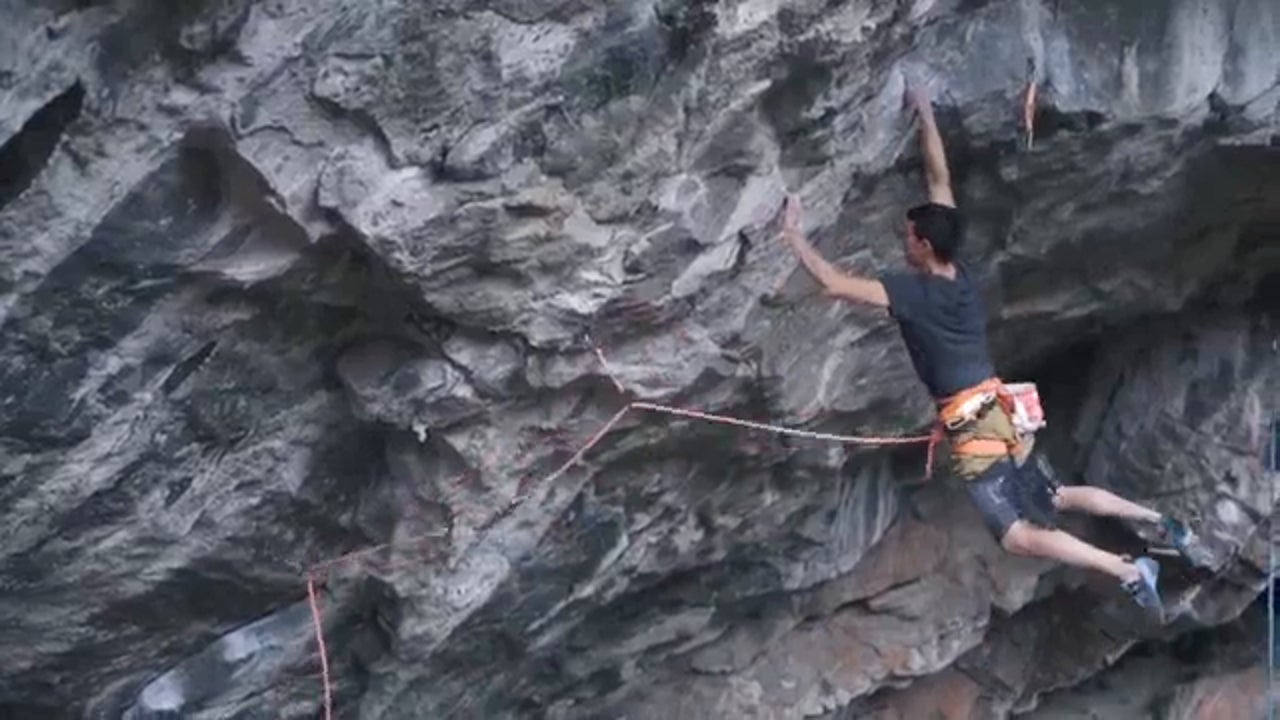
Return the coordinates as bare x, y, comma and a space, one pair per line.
778, 430
322, 568
1274, 470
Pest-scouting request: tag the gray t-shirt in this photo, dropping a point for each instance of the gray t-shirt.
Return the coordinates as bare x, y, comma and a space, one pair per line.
944, 325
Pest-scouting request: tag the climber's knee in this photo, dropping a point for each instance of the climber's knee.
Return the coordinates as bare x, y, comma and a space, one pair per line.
1019, 539
1072, 498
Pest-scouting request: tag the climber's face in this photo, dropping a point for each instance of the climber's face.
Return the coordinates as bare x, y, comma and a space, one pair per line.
916, 249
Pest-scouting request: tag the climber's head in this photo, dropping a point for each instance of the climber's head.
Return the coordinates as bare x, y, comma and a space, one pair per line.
934, 233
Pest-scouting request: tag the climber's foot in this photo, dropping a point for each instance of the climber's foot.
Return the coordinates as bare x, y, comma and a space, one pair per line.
1176, 533
1143, 587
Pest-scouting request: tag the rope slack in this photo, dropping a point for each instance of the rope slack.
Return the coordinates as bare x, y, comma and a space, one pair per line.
686, 413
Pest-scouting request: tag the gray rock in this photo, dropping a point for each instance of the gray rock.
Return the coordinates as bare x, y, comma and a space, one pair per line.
231, 665
313, 285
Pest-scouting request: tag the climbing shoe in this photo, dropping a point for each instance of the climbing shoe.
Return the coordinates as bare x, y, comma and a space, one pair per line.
1143, 589
1184, 541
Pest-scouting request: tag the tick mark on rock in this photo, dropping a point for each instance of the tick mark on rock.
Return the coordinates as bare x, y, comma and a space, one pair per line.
187, 368
176, 490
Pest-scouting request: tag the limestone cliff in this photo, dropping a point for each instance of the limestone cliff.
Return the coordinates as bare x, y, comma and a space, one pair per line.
282, 280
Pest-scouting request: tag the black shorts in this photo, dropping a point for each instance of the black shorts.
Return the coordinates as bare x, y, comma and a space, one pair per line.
1006, 493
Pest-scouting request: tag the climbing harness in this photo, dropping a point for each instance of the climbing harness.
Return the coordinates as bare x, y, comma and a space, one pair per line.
1021, 401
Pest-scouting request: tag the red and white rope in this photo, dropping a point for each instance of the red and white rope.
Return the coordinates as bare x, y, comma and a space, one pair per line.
594, 439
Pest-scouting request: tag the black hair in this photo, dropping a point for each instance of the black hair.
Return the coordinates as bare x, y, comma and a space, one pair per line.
941, 225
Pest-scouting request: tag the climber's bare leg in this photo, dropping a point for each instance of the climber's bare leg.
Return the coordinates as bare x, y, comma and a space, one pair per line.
1024, 538
1096, 501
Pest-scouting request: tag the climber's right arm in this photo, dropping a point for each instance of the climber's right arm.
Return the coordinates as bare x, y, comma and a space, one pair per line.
937, 176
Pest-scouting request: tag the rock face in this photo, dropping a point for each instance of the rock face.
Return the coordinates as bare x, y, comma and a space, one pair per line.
290, 279
1216, 673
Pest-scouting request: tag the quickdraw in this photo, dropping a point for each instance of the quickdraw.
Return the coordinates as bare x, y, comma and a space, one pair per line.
1029, 104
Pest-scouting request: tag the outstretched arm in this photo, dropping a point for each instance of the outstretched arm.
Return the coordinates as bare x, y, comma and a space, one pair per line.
834, 282
936, 173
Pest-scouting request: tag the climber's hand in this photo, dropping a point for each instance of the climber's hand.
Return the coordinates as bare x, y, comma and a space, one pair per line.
835, 282
917, 96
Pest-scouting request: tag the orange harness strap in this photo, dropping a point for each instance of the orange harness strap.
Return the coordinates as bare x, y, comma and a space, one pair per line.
983, 447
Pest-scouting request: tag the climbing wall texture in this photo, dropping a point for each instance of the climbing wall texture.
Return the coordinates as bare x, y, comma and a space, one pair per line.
286, 279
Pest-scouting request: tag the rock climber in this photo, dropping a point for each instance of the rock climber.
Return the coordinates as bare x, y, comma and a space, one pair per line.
938, 306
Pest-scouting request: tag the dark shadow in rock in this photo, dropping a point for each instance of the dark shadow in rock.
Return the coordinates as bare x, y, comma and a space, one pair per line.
629, 62
342, 474
1205, 245
65, 6
787, 105
34, 711
209, 595
175, 30
28, 152
208, 591
201, 212
189, 365
269, 662
268, 364
99, 294
1148, 674
238, 660
1050, 121
686, 25
215, 29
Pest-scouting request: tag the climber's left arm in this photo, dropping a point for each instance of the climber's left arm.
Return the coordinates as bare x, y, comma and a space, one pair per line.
835, 283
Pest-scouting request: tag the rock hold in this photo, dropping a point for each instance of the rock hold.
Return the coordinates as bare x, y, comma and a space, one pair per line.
393, 385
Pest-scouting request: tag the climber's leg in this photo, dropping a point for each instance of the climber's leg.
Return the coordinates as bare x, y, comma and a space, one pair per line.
1138, 578
1038, 482
1015, 507
1040, 485
1023, 538
1096, 501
